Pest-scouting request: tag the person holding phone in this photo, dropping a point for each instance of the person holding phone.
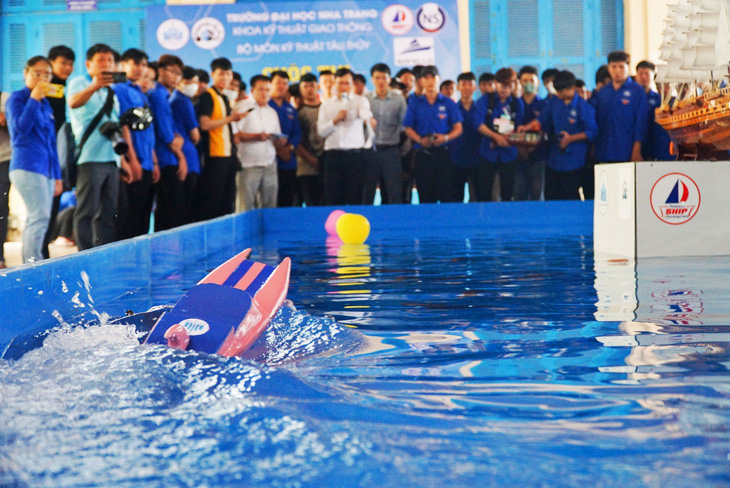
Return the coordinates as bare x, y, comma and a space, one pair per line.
34, 167
99, 167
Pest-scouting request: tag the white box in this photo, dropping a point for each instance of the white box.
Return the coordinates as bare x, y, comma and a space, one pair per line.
653, 209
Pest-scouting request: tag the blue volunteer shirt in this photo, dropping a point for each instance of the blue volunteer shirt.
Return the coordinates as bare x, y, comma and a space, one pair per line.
533, 111
164, 125
130, 96
576, 117
427, 119
98, 148
464, 149
183, 112
622, 120
32, 135
289, 122
486, 112
658, 140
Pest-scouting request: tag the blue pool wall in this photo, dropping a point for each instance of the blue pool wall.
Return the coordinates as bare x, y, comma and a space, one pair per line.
33, 296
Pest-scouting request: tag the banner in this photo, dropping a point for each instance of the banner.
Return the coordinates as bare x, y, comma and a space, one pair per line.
301, 37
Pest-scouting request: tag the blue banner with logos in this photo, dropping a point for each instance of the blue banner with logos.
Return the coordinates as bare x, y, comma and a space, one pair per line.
301, 37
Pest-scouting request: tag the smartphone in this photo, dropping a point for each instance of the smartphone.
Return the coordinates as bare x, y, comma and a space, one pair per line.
117, 76
54, 90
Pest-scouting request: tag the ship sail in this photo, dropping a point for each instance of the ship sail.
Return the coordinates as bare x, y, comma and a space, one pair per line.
713, 49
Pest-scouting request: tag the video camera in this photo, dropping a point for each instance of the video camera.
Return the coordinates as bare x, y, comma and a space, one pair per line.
137, 119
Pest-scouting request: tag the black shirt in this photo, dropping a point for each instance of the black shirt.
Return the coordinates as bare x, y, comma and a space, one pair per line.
58, 104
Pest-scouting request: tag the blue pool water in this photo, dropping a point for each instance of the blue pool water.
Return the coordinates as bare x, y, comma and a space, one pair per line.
485, 356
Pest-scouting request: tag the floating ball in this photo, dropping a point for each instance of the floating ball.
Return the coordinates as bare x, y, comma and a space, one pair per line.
353, 228
331, 224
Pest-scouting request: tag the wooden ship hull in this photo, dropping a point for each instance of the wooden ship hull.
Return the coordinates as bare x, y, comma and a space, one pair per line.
699, 126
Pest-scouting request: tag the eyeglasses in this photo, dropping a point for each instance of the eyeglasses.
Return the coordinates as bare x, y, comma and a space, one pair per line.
174, 72
42, 74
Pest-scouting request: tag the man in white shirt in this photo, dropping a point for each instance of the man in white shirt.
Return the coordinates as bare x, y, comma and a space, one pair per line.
345, 123
256, 137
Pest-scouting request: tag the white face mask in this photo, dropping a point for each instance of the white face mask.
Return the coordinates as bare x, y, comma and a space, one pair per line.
230, 94
550, 88
190, 90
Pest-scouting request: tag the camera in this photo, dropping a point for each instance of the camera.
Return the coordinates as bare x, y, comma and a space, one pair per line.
138, 118
113, 132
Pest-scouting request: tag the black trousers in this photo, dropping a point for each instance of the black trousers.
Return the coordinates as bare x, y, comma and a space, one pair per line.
97, 191
64, 225
407, 163
383, 166
343, 177
434, 175
311, 189
170, 210
135, 207
529, 180
462, 176
485, 180
191, 196
563, 185
288, 195
4, 208
217, 188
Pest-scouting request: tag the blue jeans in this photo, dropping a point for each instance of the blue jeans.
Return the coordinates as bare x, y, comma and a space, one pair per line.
37, 192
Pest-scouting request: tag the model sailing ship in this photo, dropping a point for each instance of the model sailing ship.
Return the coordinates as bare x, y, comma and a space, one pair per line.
694, 84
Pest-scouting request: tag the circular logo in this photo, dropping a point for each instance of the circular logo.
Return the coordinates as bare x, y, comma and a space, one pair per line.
173, 34
195, 327
675, 198
208, 33
397, 19
431, 17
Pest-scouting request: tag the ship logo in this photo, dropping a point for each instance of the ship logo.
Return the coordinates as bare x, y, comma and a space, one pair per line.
410, 51
674, 195
415, 47
675, 198
397, 19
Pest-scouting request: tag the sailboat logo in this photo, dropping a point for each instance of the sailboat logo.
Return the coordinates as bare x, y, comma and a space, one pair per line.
675, 198
674, 195
397, 19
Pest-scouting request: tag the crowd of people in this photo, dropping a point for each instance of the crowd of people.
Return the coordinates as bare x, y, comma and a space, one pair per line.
131, 137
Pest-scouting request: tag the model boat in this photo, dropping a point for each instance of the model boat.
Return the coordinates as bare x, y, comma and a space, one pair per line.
226, 311
695, 108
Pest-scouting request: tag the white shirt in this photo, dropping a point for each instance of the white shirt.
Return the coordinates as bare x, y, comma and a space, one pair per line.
262, 119
348, 133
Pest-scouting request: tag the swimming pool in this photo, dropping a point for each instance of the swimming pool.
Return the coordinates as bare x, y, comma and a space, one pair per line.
463, 345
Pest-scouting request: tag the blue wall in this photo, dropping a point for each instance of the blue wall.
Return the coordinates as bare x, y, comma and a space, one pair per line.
570, 34
567, 34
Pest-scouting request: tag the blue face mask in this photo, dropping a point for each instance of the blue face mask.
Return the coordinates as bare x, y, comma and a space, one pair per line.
528, 88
